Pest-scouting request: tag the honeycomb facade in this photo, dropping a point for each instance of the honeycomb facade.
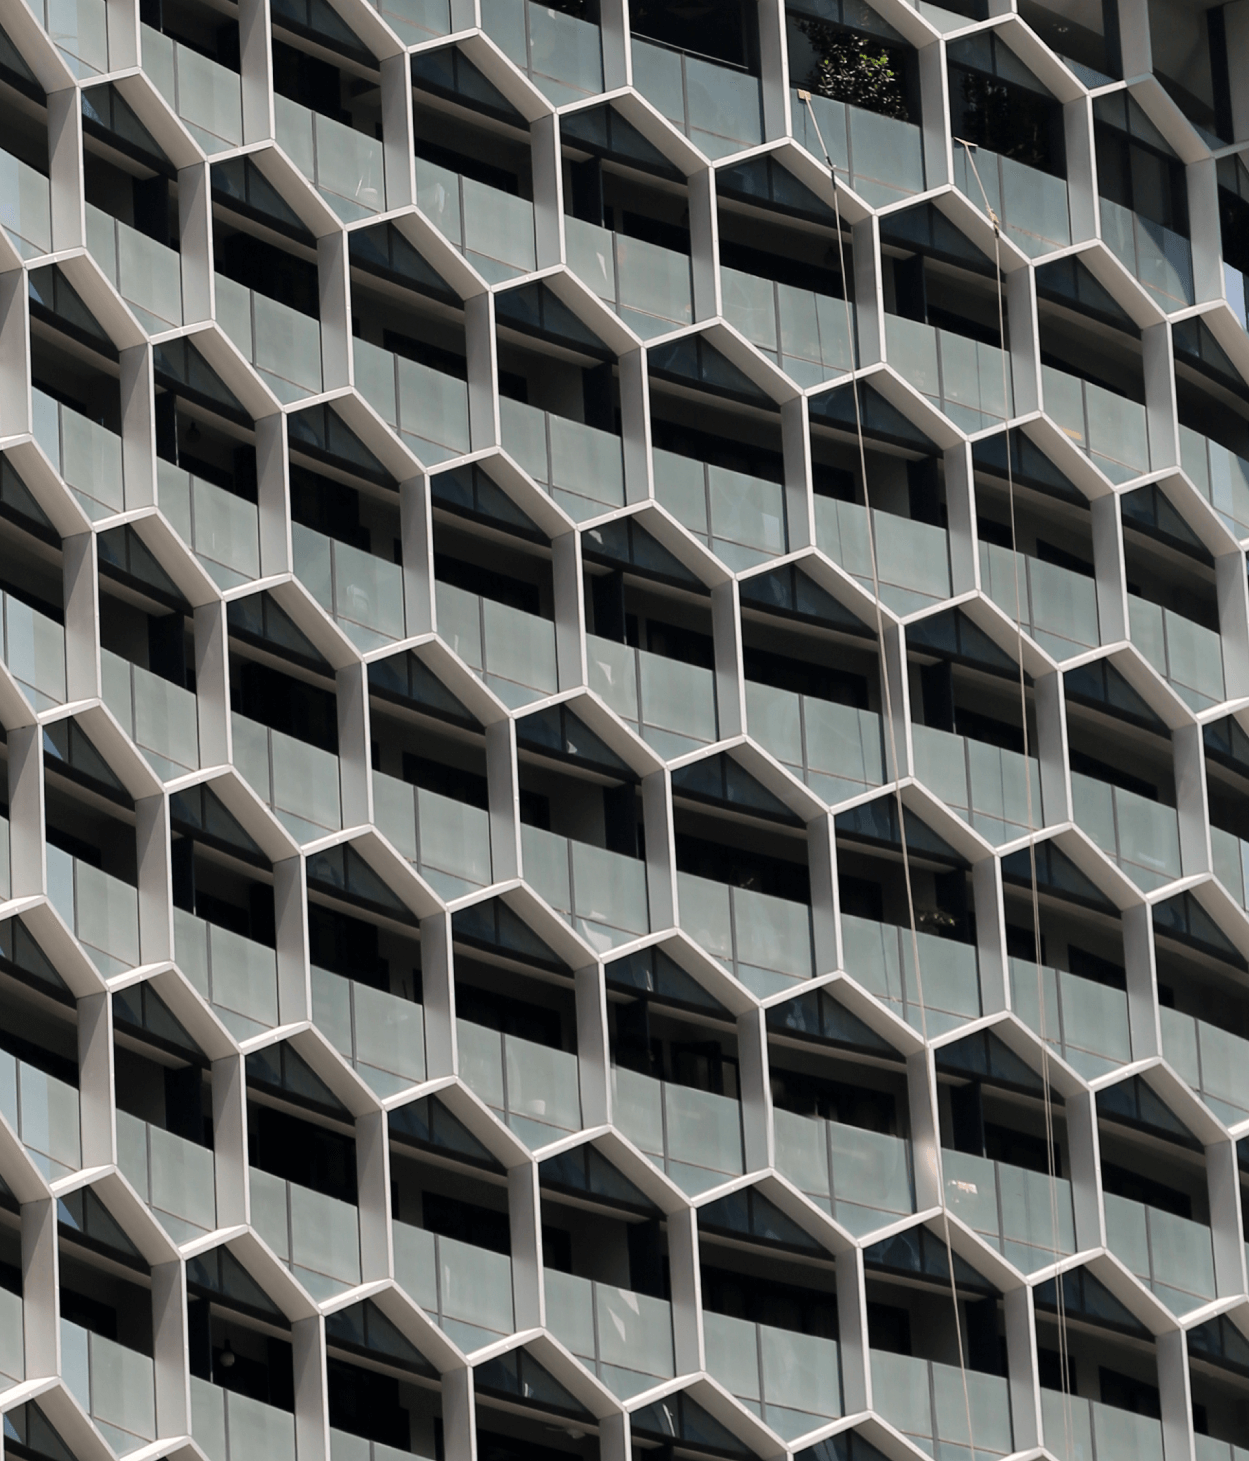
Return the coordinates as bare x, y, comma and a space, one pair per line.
625, 689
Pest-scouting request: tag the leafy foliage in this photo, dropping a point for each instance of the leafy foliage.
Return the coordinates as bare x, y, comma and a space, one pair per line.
854, 68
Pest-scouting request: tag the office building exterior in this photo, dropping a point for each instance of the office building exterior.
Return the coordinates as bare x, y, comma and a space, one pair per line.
533, 925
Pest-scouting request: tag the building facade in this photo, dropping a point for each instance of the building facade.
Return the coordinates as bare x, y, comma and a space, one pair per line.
627, 825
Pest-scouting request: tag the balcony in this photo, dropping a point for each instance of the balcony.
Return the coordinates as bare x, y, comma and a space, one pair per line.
237, 976
1231, 863
1032, 204
1172, 1255
417, 20
649, 287
561, 54
491, 228
601, 893
161, 718
1186, 654
363, 592
318, 1237
862, 1178
986, 785
879, 956
1159, 257
466, 1290
513, 652
147, 274
208, 97
836, 749
926, 1401
913, 558
580, 466
101, 909
417, 400
1027, 1216
299, 781
718, 107
174, 1176
381, 1034
622, 1337
12, 1345
884, 157
1099, 1430
284, 344
1141, 835
1220, 476
25, 206
1111, 430
345, 166
961, 377
86, 454
44, 1113
34, 651
79, 32
116, 1386
228, 1425
1058, 605
672, 703
804, 333
765, 941
448, 840
1085, 1022
739, 517
695, 1136
222, 528
533, 1088
791, 1381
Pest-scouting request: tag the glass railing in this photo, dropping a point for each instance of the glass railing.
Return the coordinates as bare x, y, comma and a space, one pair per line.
1058, 606
161, 718
284, 344
363, 592
25, 206
912, 558
299, 781
148, 275
862, 1178
491, 228
1031, 204
1160, 258
719, 108
79, 32
316, 1236
1098, 1430
115, 1385
695, 1136
222, 528
672, 703
1027, 1216
345, 166
534, 1088
1234, 288
1173, 1255
208, 97
1231, 863
986, 785
1085, 1022
803, 332
880, 957
962, 377
513, 652
101, 909
883, 157
417, 20
649, 287
236, 975
381, 1034
1111, 430
836, 749
34, 652
601, 893
466, 1290
625, 1338
1212, 1060
1189, 655
1220, 476
1142, 836
580, 466
932, 1403
1208, 1449
740, 518
228, 1426
12, 1344
791, 1381
44, 1113
417, 400
448, 840
86, 454
174, 1176
765, 941
562, 54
